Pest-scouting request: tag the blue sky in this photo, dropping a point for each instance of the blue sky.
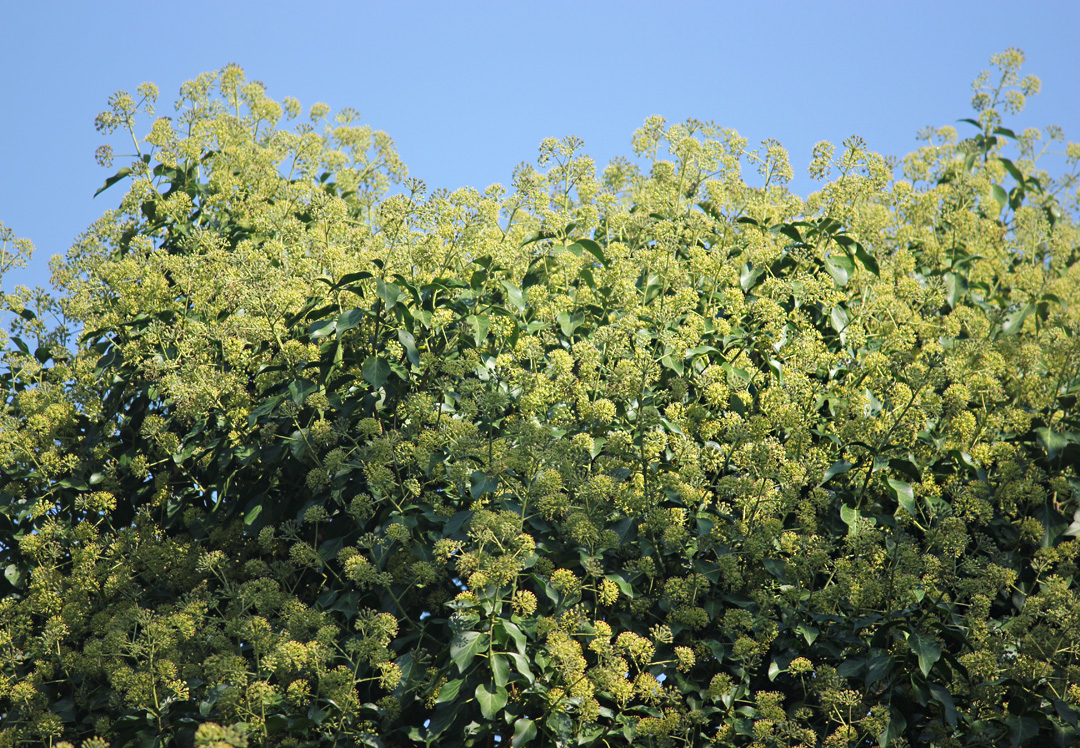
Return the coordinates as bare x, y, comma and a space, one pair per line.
469, 89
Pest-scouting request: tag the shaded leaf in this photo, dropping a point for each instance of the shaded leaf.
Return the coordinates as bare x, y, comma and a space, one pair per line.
376, 370
926, 649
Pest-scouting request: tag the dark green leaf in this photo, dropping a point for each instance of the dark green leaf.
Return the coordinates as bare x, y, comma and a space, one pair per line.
867, 260
926, 649
300, 389
1021, 729
894, 729
388, 292
113, 180
587, 245
480, 483
348, 320
941, 695
408, 342
322, 328
1052, 441
376, 370
838, 467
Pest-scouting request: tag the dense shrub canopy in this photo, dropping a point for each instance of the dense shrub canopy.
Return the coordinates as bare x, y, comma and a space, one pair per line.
662, 456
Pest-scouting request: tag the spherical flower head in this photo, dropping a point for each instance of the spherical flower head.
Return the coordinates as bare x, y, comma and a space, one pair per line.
608, 593
685, 659
565, 581
800, 666
524, 603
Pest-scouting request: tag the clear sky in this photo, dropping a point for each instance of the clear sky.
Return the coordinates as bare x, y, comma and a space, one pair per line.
469, 89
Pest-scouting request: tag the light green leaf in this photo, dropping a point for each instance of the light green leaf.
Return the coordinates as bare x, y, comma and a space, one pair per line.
955, 288
465, 646
1000, 196
524, 731
840, 267
500, 669
449, 690
491, 700
904, 494
809, 633
849, 514
1015, 321
253, 515
839, 318
513, 293
480, 324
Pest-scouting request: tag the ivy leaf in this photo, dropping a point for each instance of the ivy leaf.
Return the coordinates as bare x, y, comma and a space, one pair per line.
809, 633
408, 342
513, 293
941, 695
840, 267
1015, 321
449, 690
113, 180
867, 260
322, 328
894, 729
14, 575
838, 467
904, 494
955, 288
376, 370
1000, 196
500, 669
849, 515
1052, 441
749, 276
588, 245
465, 647
524, 731
350, 319
491, 699
926, 649
480, 324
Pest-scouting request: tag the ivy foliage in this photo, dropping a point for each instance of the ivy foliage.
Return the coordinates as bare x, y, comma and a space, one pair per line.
658, 456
